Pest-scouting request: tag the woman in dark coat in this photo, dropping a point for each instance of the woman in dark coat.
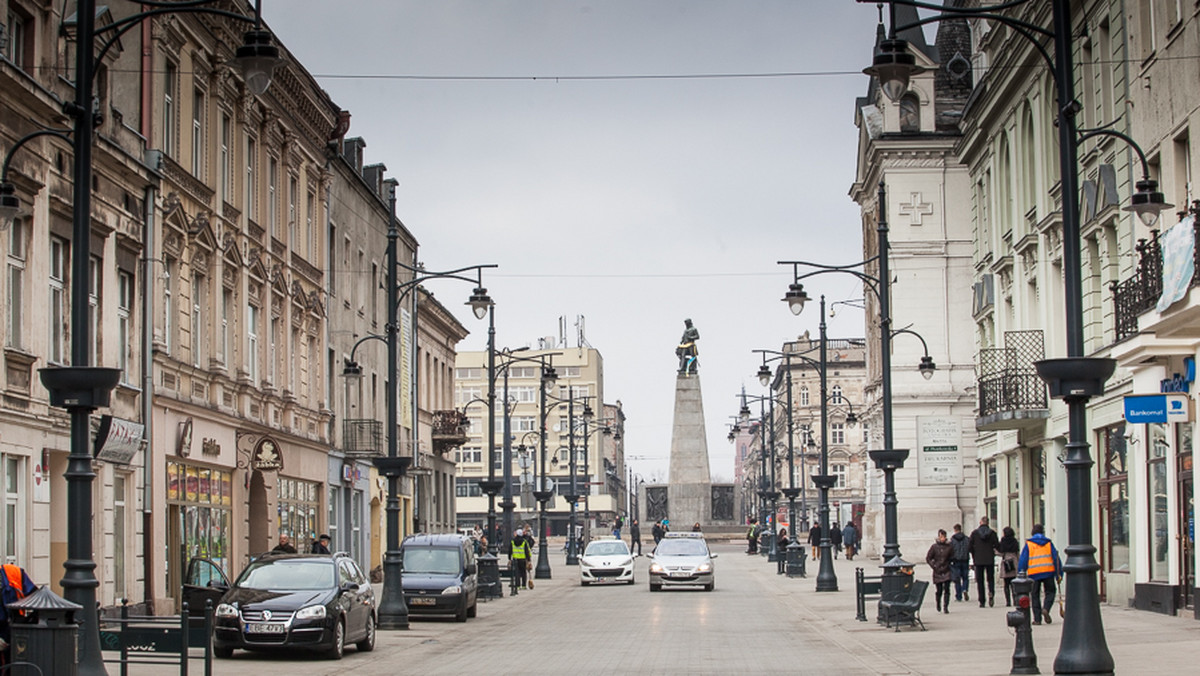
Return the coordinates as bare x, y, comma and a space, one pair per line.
1010, 552
938, 558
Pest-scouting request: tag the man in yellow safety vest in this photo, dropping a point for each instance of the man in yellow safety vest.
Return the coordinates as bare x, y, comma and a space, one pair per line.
518, 557
1039, 561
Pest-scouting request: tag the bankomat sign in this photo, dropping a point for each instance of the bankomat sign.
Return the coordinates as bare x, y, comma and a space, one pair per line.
1157, 408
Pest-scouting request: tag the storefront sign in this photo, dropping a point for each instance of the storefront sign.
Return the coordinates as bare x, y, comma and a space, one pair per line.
939, 460
1180, 382
266, 456
351, 473
118, 440
1157, 408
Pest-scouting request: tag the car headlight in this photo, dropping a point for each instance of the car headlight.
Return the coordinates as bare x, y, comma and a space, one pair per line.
627, 562
704, 568
656, 568
585, 562
311, 613
225, 610
456, 589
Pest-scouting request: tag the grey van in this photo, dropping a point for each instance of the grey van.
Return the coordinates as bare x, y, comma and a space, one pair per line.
440, 575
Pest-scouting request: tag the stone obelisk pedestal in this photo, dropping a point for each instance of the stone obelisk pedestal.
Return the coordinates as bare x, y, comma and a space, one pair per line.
689, 487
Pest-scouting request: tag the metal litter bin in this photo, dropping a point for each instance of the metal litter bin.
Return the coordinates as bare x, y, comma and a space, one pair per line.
44, 632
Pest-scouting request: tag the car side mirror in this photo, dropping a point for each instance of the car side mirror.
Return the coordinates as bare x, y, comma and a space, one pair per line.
471, 569
712, 555
350, 586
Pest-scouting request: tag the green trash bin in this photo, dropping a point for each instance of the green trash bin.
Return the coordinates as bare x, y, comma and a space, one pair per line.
44, 632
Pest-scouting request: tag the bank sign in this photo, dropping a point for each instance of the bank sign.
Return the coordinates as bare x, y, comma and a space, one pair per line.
1157, 408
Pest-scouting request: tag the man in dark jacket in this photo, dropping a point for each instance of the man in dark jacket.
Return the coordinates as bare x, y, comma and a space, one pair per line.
984, 543
960, 564
635, 537
835, 538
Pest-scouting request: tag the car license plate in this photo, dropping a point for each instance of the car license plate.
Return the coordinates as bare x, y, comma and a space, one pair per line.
421, 601
680, 573
265, 628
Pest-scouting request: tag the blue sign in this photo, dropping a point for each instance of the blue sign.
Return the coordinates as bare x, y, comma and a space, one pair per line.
1156, 408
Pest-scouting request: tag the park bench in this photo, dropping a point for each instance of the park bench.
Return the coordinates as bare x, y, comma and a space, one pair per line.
865, 586
908, 609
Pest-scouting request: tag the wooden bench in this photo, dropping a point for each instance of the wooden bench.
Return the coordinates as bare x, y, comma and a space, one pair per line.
907, 610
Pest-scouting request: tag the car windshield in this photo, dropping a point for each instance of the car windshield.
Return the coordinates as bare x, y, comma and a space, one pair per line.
288, 575
612, 548
681, 547
438, 561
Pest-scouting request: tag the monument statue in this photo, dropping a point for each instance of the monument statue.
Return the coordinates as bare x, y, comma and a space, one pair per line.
687, 351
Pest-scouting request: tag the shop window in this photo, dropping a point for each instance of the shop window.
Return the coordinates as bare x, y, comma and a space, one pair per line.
1037, 484
1114, 500
200, 501
13, 468
1156, 476
1014, 492
990, 486
299, 503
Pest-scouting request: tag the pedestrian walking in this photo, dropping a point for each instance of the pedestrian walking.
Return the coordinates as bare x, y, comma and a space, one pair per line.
518, 557
696, 527
783, 539
635, 537
1010, 554
850, 540
657, 533
14, 586
960, 564
617, 526
1039, 561
814, 540
835, 538
285, 545
321, 546
752, 537
939, 556
984, 543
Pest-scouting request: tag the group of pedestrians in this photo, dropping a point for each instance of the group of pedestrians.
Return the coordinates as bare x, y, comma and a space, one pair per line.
839, 537
951, 558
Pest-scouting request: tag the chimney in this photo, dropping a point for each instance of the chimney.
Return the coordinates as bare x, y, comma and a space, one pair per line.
352, 150
373, 175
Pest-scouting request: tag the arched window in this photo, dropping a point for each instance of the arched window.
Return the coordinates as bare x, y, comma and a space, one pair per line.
835, 395
910, 113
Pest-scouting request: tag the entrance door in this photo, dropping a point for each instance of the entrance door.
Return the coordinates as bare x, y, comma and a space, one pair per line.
1187, 518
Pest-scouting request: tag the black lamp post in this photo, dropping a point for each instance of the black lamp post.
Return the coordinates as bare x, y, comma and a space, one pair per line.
792, 554
544, 491
82, 388
1075, 378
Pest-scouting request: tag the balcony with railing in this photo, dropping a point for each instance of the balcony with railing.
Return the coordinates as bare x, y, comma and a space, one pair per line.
449, 430
1139, 294
1012, 395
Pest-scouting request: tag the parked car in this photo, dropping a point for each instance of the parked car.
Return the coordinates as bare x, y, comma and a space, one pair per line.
682, 559
312, 601
440, 575
606, 561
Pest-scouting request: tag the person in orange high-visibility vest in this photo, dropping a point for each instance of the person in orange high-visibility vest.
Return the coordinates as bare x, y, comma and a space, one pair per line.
14, 586
1039, 561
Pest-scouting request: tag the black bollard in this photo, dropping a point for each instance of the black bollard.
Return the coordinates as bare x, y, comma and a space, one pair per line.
1024, 659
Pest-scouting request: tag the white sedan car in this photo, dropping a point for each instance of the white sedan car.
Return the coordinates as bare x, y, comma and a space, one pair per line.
606, 561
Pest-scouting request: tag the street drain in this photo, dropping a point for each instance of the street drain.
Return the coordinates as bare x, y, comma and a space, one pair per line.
430, 641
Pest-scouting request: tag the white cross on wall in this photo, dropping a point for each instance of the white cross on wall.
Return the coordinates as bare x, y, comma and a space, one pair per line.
915, 208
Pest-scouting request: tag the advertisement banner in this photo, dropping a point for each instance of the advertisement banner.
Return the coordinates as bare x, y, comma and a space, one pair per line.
405, 359
939, 450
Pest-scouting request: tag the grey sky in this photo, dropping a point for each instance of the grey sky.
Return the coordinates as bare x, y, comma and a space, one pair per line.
633, 202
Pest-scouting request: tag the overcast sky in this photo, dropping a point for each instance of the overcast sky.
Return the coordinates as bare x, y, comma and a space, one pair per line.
633, 201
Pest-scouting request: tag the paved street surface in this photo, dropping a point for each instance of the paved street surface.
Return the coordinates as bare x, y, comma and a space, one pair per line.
755, 621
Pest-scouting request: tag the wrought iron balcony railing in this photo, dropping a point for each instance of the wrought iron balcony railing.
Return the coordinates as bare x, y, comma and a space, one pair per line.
1140, 292
1011, 394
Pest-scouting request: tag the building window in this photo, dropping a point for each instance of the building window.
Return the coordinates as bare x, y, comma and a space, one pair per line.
170, 80
16, 284
124, 324
273, 197
199, 504
866, 433
804, 396
356, 520
1037, 484
119, 539
335, 500
1156, 476
1014, 492
226, 159
57, 350
837, 433
310, 211
226, 324
251, 178
252, 342
835, 395
94, 310
198, 134
990, 488
168, 301
840, 471
19, 49
15, 500
198, 283
291, 213
272, 352
910, 113
1114, 500
299, 505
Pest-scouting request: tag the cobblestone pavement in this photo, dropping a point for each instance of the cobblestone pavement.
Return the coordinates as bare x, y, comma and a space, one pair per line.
755, 621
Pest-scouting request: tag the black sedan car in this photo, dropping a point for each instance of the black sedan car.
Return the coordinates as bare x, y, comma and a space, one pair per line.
313, 601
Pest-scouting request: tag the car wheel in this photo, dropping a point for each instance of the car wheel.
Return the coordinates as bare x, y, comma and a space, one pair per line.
655, 587
461, 614
474, 609
367, 644
583, 583
632, 581
339, 641
222, 652
709, 586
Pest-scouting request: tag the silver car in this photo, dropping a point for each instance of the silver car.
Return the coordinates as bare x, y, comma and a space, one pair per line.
606, 561
682, 559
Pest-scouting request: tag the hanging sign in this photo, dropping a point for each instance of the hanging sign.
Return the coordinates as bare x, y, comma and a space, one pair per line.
1157, 408
266, 456
118, 440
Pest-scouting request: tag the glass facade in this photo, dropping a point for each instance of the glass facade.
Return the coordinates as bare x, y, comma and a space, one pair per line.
200, 501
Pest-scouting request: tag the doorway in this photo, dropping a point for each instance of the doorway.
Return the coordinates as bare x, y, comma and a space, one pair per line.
1187, 515
260, 519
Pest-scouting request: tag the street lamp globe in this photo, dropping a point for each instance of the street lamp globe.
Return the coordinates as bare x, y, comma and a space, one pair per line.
927, 367
764, 375
851, 420
588, 414
893, 66
257, 58
549, 379
480, 302
795, 298
1147, 202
